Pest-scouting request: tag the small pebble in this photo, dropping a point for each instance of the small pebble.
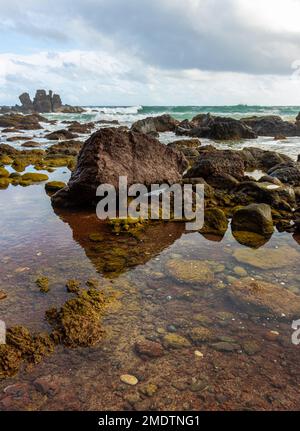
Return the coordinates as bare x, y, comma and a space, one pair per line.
129, 379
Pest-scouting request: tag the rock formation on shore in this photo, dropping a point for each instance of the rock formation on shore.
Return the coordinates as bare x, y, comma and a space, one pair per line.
42, 103
110, 153
224, 128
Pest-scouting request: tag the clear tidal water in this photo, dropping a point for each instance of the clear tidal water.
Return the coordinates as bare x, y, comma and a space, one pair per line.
37, 241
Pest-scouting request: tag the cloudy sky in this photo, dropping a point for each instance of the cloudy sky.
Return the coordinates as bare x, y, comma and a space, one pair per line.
152, 52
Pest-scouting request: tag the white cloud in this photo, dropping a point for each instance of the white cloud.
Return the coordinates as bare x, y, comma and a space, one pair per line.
97, 77
151, 51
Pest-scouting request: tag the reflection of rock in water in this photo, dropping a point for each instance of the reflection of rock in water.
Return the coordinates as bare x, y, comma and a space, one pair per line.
296, 237
113, 254
250, 239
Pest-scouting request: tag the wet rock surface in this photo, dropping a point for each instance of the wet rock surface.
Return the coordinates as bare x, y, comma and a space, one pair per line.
110, 153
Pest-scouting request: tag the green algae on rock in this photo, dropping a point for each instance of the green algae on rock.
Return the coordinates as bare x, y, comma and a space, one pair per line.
21, 346
175, 341
43, 284
78, 322
215, 222
4, 183
73, 286
35, 177
255, 218
200, 335
4, 172
250, 239
53, 186
268, 258
190, 271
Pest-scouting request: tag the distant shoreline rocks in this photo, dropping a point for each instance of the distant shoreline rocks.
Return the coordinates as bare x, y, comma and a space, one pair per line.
42, 103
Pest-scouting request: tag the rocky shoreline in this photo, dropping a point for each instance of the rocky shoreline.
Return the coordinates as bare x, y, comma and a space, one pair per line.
185, 284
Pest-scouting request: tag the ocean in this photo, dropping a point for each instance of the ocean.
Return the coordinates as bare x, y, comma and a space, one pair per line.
126, 115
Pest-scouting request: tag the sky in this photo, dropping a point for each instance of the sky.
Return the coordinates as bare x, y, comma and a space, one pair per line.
152, 52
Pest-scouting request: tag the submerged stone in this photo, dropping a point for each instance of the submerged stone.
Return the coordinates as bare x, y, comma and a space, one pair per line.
129, 379
200, 335
264, 299
190, 271
175, 341
268, 258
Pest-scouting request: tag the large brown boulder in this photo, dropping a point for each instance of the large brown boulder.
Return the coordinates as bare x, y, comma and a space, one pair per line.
110, 153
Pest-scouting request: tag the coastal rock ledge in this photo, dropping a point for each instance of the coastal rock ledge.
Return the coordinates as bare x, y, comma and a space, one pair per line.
110, 153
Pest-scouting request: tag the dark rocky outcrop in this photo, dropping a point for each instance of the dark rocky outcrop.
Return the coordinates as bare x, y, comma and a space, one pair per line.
61, 135
22, 122
272, 126
110, 153
152, 125
66, 148
218, 128
287, 173
43, 103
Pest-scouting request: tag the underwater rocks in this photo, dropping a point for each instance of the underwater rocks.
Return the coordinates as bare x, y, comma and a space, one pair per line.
175, 341
148, 349
272, 125
190, 271
155, 125
78, 322
264, 299
255, 218
111, 153
268, 258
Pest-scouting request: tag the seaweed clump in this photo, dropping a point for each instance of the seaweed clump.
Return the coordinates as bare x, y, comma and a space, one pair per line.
78, 322
23, 347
